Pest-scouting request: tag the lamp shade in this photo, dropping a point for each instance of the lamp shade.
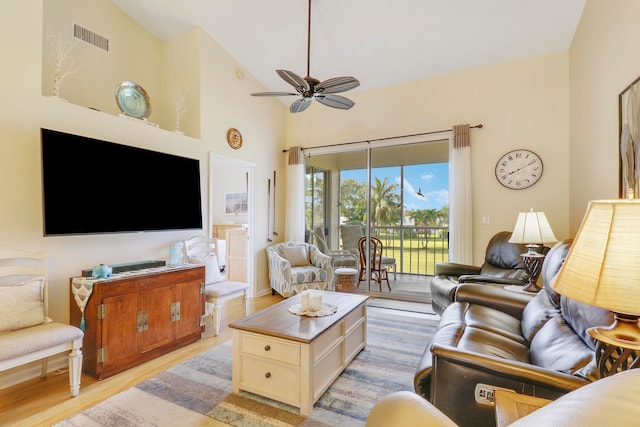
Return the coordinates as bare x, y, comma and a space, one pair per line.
601, 268
532, 227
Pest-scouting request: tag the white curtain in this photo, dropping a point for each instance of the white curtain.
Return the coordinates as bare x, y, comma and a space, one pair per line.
294, 224
460, 204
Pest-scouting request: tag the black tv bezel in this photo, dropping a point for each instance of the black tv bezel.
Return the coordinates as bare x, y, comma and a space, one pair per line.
89, 197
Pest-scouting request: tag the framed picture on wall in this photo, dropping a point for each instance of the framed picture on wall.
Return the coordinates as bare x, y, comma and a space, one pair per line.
629, 139
236, 203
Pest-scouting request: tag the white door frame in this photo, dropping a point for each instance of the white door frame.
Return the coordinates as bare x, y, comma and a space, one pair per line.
218, 161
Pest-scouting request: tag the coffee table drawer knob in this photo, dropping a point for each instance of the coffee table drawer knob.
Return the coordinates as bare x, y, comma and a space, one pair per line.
267, 375
267, 347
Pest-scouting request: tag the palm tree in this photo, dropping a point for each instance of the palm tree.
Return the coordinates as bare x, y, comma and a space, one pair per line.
384, 202
425, 218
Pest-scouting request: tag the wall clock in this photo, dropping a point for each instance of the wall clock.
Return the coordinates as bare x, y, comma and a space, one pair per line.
519, 169
234, 138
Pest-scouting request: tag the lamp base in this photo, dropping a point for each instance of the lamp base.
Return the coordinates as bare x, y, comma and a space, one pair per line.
533, 264
618, 345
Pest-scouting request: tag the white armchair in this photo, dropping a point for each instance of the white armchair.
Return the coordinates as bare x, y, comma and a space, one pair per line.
296, 266
26, 333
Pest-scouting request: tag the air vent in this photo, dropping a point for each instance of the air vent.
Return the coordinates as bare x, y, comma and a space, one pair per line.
91, 37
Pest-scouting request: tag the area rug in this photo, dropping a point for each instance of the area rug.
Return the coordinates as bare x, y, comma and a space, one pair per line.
415, 307
197, 392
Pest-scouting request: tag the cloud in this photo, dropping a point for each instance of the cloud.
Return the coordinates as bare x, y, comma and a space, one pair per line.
427, 177
438, 196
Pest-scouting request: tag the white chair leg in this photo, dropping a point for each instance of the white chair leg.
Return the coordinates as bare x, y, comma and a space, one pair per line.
245, 302
216, 318
75, 368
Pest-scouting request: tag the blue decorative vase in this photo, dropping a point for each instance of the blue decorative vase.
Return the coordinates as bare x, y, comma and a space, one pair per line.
176, 254
101, 271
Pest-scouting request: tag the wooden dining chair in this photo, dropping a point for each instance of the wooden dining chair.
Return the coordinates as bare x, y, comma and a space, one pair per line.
378, 269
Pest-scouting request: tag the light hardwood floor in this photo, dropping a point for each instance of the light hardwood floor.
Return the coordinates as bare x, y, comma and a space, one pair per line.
42, 402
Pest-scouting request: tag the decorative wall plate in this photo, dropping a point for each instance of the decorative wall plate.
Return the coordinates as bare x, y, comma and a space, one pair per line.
133, 100
234, 138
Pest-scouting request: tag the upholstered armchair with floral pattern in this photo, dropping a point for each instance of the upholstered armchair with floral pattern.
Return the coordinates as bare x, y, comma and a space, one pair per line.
296, 266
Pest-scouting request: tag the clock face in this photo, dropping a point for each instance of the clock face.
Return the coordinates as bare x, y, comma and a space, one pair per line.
519, 169
234, 138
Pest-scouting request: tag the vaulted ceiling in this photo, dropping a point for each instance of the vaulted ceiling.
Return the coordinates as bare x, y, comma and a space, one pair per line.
382, 43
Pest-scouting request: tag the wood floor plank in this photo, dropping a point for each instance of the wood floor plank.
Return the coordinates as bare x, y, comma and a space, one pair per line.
41, 402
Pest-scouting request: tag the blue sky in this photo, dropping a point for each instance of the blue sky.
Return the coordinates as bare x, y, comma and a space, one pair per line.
431, 179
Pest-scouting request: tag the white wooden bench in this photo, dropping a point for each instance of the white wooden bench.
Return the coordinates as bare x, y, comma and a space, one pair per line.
26, 333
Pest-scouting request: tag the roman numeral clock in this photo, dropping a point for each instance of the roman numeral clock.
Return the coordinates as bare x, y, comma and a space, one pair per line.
519, 169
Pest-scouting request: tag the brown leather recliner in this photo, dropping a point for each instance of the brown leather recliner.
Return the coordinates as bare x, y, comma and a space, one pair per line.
494, 337
503, 265
613, 401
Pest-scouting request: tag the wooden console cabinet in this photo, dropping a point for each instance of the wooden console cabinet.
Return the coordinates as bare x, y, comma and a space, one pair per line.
133, 317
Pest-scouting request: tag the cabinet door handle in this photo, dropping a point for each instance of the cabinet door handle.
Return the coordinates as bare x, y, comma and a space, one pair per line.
267, 375
267, 347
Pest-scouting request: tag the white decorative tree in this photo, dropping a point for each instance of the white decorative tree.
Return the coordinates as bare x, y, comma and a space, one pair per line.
62, 63
180, 105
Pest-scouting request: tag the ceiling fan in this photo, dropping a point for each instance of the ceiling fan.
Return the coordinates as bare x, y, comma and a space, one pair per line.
310, 88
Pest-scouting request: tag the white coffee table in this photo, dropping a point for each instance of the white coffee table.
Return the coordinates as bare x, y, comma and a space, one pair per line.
294, 359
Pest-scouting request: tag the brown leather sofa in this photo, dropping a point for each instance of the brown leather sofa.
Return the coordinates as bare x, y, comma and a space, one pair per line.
503, 265
612, 401
503, 339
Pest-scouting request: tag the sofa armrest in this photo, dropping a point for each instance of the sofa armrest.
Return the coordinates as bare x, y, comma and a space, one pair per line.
455, 269
278, 265
406, 409
495, 297
479, 278
457, 398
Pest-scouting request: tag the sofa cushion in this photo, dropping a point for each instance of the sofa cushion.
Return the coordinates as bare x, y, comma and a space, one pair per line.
21, 303
580, 317
537, 313
307, 274
296, 255
485, 318
558, 348
211, 266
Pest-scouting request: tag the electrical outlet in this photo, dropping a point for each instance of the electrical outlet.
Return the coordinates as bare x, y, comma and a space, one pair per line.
485, 394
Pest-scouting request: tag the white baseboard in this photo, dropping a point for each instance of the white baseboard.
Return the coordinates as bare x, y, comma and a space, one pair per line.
32, 370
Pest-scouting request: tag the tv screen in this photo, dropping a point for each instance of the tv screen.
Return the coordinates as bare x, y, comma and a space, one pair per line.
92, 186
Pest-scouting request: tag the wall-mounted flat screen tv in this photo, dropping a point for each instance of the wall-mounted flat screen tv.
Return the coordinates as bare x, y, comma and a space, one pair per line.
91, 186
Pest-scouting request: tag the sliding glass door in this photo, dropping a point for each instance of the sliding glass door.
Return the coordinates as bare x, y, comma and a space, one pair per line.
397, 195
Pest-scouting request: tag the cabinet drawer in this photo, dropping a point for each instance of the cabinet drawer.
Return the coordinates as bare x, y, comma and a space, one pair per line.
270, 348
354, 341
327, 341
354, 317
271, 379
327, 369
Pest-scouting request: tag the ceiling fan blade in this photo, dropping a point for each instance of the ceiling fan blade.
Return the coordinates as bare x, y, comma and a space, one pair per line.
294, 80
300, 105
273, 94
335, 101
337, 84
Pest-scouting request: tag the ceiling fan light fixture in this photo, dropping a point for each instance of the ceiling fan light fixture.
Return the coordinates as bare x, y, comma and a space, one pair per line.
311, 88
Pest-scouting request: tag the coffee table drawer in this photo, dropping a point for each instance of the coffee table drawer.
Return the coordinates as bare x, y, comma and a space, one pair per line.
271, 379
270, 348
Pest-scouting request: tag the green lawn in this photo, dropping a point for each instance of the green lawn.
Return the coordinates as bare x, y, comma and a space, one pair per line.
419, 256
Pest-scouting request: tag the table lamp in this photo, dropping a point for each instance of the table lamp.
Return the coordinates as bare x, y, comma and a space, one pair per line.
532, 229
601, 269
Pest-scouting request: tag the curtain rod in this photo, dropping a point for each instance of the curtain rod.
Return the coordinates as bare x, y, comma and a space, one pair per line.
478, 126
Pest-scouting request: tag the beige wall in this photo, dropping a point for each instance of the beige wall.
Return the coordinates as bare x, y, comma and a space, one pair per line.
225, 102
604, 61
522, 104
